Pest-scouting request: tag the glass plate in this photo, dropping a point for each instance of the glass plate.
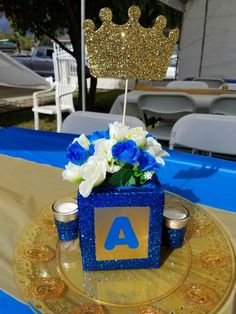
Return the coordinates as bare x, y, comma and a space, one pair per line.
196, 278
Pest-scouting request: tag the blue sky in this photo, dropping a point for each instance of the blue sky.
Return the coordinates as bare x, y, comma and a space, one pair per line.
4, 25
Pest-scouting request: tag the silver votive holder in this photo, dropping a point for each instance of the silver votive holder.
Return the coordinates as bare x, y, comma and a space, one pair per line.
175, 223
65, 212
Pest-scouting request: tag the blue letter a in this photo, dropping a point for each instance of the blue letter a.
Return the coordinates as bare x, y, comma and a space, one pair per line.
121, 225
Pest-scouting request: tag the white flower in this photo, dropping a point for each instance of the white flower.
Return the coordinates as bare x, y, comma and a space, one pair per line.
155, 149
118, 131
148, 175
93, 173
138, 135
83, 141
103, 149
72, 173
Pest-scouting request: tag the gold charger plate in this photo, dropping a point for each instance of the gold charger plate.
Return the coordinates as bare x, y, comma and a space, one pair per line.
196, 278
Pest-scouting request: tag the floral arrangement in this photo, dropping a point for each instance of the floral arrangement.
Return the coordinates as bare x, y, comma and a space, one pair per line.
119, 156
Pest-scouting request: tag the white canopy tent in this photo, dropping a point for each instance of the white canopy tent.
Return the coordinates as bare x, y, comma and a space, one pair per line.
208, 39
14, 74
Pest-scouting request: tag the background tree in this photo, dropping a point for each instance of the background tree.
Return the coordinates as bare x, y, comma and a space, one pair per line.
52, 17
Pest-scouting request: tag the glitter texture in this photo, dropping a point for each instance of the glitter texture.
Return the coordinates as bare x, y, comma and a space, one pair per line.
129, 50
198, 294
173, 238
149, 195
45, 288
38, 252
67, 231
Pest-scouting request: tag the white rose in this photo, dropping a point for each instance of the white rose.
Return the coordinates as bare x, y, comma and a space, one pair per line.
118, 131
103, 149
72, 173
83, 141
93, 173
155, 149
138, 135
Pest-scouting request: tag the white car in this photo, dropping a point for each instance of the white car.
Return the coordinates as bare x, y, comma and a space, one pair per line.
172, 68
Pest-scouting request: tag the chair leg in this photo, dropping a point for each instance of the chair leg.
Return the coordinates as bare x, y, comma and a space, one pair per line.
36, 120
59, 121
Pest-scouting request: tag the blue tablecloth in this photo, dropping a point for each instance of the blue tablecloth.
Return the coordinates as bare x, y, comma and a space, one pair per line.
201, 179
9, 305
205, 180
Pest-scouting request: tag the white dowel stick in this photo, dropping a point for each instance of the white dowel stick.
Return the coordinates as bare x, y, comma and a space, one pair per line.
125, 102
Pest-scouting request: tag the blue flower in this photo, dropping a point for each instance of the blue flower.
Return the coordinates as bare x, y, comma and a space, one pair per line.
97, 135
91, 149
126, 152
77, 154
147, 162
150, 135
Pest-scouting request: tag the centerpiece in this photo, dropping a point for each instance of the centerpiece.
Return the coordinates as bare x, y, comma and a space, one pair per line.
120, 199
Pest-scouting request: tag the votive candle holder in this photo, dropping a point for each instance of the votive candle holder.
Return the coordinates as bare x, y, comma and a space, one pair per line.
175, 223
65, 212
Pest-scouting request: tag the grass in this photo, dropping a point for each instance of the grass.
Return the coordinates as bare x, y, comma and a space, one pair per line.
24, 117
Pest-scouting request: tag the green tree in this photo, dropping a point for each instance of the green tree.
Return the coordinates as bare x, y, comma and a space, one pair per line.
47, 17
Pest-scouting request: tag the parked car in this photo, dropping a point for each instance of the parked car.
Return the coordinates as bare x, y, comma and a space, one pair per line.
40, 61
172, 68
7, 46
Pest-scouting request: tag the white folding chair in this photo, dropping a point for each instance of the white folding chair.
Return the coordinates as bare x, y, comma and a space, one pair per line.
64, 64
187, 85
132, 108
205, 132
223, 104
63, 102
168, 107
211, 82
87, 122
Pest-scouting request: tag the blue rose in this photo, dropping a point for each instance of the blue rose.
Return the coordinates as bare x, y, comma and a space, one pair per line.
77, 154
150, 135
98, 134
147, 162
126, 152
91, 149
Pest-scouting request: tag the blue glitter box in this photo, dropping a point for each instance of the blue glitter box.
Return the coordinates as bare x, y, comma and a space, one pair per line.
121, 227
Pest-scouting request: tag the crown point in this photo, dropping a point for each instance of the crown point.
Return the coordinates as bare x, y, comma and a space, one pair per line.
174, 35
161, 22
134, 12
105, 15
89, 25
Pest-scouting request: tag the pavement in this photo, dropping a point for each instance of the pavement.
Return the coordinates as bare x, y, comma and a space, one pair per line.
12, 98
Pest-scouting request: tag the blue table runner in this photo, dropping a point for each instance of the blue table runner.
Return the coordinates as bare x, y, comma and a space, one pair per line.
205, 180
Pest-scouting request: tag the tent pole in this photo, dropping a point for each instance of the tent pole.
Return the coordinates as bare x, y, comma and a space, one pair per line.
203, 38
83, 77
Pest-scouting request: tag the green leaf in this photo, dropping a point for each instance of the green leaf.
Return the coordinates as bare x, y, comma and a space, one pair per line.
135, 168
127, 166
121, 177
137, 174
142, 180
131, 181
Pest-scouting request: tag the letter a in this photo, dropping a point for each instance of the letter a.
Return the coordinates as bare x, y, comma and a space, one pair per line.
121, 225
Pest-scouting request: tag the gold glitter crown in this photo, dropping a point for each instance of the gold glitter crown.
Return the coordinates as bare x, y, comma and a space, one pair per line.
129, 50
